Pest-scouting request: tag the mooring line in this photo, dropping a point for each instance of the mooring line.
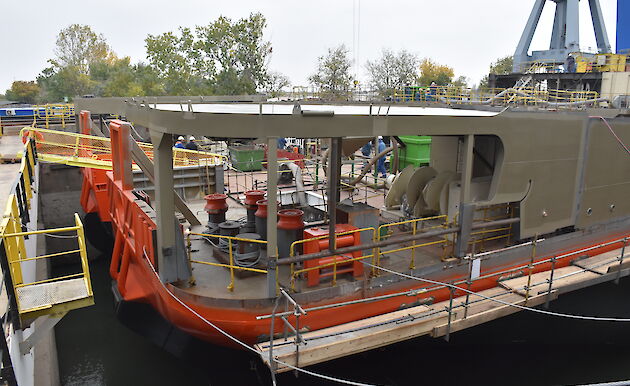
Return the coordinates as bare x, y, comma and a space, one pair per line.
245, 345
525, 308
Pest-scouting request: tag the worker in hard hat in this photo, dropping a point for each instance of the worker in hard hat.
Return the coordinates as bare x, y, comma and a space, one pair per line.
381, 161
366, 150
191, 145
180, 142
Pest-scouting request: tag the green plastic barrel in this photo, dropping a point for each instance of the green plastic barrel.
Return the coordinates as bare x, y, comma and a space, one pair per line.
417, 151
247, 158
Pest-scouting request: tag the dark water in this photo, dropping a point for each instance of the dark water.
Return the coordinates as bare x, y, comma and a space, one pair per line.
95, 348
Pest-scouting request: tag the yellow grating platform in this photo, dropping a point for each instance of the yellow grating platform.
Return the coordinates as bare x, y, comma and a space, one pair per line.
46, 295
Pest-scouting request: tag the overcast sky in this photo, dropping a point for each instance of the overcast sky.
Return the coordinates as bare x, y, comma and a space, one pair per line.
467, 35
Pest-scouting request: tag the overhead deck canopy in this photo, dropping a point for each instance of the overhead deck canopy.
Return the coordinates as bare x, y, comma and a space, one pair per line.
541, 159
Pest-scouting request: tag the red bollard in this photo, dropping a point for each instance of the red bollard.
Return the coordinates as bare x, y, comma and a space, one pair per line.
216, 206
251, 198
290, 229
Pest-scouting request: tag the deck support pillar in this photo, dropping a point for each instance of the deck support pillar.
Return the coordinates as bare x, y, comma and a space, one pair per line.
466, 209
272, 215
334, 194
172, 260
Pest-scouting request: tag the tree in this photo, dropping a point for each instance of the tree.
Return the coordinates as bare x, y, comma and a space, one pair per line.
177, 63
148, 80
79, 47
392, 71
239, 52
224, 57
333, 73
275, 83
24, 92
461, 81
431, 71
63, 83
501, 66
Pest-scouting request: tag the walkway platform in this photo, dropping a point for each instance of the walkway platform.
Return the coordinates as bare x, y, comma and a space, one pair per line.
438, 320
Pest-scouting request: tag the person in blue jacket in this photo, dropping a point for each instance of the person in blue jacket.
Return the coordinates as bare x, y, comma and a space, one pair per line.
180, 142
381, 161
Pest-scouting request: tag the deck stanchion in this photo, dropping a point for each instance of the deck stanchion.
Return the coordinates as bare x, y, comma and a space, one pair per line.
272, 216
553, 268
447, 337
623, 251
531, 267
272, 362
469, 281
413, 244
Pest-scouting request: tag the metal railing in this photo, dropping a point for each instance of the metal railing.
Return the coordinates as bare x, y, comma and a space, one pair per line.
491, 213
416, 225
294, 273
231, 266
95, 152
62, 113
493, 96
14, 232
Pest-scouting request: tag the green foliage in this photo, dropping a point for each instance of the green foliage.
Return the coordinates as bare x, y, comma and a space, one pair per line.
461, 81
501, 66
79, 47
224, 57
275, 83
23, 92
431, 71
120, 78
333, 73
392, 71
58, 83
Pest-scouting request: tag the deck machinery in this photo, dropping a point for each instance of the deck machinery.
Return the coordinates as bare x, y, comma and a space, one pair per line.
565, 176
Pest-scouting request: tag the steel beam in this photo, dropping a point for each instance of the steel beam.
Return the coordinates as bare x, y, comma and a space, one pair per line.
334, 194
601, 36
572, 25
272, 214
558, 35
148, 168
520, 55
172, 264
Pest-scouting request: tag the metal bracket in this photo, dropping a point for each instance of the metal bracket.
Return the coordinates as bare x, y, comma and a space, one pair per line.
43, 325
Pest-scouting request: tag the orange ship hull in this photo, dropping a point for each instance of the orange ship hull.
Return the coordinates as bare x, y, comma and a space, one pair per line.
133, 262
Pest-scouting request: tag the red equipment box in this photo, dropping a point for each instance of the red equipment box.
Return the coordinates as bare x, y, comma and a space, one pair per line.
314, 246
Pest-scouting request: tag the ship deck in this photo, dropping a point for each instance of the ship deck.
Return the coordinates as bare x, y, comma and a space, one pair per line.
212, 281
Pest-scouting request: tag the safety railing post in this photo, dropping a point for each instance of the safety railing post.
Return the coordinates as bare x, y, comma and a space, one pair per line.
623, 251
469, 281
413, 249
531, 268
272, 362
231, 286
447, 337
553, 268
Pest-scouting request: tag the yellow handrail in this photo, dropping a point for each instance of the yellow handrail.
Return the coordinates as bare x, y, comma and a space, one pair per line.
231, 266
414, 224
94, 152
13, 238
